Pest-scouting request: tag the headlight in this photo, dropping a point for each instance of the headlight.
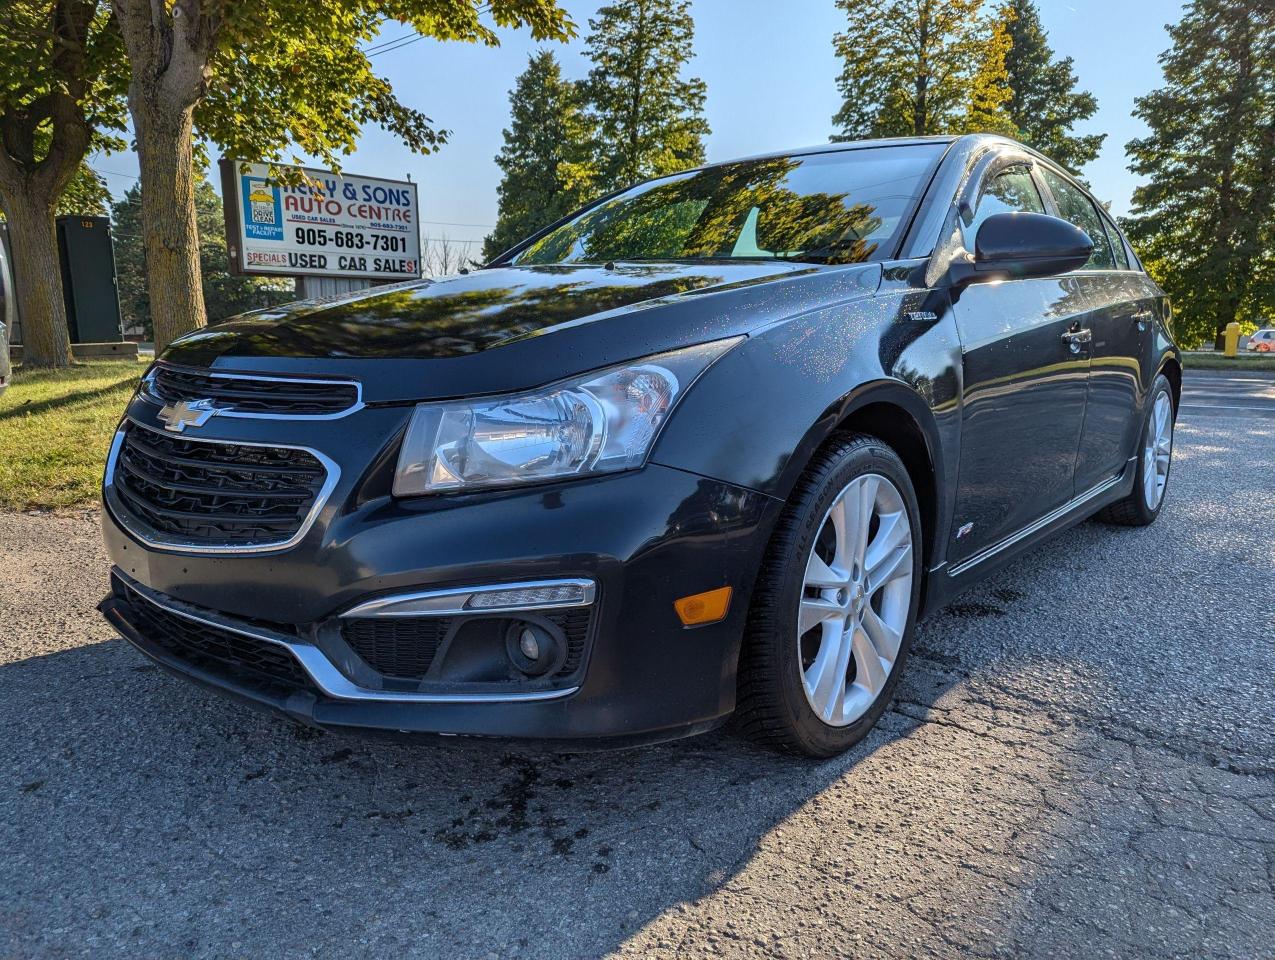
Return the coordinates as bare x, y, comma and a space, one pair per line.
599, 422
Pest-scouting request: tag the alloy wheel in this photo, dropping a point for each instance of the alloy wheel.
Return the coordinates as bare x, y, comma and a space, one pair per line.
1157, 451
856, 599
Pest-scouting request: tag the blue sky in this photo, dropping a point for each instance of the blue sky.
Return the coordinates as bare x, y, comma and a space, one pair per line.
771, 77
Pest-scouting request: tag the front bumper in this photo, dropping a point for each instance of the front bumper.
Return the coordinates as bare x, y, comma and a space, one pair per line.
644, 538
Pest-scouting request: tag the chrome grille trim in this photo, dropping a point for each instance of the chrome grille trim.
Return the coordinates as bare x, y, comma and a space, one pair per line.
147, 392
143, 532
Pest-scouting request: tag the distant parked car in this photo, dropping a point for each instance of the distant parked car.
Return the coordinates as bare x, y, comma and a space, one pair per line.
1263, 341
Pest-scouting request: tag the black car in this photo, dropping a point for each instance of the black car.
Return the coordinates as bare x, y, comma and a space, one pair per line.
709, 446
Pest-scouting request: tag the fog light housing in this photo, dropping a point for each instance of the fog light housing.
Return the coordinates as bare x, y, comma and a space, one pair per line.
536, 649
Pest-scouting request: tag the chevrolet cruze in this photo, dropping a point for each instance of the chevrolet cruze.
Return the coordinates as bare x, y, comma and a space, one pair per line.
707, 447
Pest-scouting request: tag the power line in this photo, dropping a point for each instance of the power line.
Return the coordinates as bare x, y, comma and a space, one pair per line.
116, 173
450, 223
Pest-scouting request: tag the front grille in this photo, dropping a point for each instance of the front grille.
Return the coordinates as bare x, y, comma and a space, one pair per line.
198, 492
216, 650
247, 394
405, 647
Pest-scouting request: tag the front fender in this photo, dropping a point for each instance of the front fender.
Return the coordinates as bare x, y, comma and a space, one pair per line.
759, 414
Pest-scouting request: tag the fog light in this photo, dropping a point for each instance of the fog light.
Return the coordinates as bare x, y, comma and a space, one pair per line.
535, 648
528, 645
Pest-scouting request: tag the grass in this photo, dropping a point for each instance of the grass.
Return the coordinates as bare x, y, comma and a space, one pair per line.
55, 429
1240, 363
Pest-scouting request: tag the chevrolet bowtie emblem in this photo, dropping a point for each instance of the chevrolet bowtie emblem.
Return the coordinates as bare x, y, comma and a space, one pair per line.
186, 413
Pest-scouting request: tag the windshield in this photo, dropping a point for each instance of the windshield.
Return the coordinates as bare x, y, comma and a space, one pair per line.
843, 207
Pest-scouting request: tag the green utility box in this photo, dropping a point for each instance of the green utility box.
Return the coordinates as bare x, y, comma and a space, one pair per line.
88, 279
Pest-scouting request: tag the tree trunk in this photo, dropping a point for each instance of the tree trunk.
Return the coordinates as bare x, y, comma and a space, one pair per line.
166, 160
38, 276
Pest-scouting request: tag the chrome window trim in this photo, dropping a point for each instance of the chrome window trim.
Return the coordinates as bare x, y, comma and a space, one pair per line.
451, 601
325, 675
147, 394
141, 531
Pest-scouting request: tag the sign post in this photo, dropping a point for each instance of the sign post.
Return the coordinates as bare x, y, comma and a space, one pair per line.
334, 226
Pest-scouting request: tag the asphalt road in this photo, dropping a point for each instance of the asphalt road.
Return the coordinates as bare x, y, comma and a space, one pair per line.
1081, 763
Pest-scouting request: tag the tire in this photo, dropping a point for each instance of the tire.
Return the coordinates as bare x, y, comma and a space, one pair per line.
879, 599
1137, 509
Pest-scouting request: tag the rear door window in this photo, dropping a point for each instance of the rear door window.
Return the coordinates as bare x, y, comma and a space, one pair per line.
1117, 243
1077, 209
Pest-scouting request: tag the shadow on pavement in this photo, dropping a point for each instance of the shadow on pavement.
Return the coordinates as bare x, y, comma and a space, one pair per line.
145, 811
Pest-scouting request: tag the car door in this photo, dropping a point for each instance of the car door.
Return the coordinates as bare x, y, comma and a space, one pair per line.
1025, 364
1121, 302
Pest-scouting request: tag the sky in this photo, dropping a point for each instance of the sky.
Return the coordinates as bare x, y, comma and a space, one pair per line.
771, 76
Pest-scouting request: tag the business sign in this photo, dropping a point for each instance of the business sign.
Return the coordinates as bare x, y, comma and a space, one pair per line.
331, 226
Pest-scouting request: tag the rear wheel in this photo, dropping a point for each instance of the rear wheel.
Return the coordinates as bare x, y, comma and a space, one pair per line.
1155, 458
835, 605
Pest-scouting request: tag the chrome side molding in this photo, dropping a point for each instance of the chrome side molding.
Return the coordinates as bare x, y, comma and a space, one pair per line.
1034, 526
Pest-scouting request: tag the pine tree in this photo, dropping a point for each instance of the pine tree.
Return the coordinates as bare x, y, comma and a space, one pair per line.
918, 67
547, 170
648, 120
1044, 104
1205, 218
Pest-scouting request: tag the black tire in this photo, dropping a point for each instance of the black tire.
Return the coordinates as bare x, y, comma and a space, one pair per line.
1133, 510
772, 705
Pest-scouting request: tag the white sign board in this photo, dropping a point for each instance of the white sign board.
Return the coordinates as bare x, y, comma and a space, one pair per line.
334, 226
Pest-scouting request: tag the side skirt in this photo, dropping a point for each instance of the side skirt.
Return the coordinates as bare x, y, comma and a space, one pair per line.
946, 583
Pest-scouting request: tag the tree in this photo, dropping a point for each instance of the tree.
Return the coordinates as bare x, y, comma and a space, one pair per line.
1205, 217
60, 95
918, 67
1044, 104
547, 170
648, 121
86, 194
258, 78
225, 294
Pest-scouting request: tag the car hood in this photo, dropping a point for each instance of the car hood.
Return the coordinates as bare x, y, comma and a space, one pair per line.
510, 328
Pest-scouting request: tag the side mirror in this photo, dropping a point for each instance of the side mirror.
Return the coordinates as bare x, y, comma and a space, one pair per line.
1020, 245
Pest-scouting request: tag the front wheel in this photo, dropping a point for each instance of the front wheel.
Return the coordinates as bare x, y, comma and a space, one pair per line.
835, 605
1143, 504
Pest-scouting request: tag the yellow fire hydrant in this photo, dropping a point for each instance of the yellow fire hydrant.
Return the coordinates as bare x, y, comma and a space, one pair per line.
1231, 343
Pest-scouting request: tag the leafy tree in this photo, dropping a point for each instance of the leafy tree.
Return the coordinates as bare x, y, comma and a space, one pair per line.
1044, 104
1205, 218
918, 67
61, 94
648, 120
259, 78
547, 171
86, 194
225, 294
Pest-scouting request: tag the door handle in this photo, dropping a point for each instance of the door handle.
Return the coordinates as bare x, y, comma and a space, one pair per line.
1076, 339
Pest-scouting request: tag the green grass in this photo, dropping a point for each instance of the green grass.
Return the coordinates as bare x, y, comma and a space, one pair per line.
1215, 361
55, 429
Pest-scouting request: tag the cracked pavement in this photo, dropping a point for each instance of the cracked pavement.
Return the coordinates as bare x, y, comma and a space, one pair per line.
1081, 762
